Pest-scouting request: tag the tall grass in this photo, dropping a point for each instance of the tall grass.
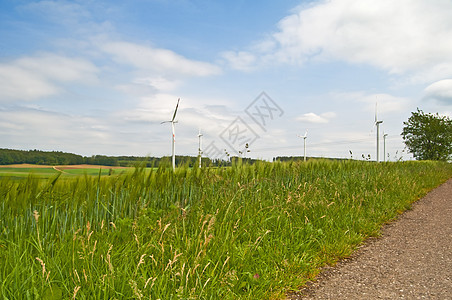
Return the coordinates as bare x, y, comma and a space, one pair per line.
238, 232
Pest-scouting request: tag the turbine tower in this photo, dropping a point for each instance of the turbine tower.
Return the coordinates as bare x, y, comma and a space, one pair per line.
304, 137
384, 146
174, 135
377, 123
199, 147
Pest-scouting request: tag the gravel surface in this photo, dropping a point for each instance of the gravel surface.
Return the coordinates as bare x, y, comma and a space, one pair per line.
411, 260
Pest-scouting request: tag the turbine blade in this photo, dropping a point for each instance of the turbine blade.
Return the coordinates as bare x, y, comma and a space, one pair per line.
376, 118
175, 111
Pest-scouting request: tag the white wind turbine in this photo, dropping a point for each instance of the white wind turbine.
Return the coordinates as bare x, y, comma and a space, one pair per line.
174, 135
304, 137
377, 123
199, 147
384, 146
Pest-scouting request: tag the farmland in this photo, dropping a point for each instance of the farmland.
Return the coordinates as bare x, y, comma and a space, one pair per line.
44, 171
246, 231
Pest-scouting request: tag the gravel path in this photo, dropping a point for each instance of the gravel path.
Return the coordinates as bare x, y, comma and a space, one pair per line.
411, 260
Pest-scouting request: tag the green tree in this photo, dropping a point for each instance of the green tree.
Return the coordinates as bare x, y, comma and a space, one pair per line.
428, 136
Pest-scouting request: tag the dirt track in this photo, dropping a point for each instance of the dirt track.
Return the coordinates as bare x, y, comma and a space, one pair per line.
411, 260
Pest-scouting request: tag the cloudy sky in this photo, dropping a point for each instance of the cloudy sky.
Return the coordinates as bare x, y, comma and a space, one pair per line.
99, 77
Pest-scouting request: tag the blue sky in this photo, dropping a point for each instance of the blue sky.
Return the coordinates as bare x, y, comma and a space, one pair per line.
98, 77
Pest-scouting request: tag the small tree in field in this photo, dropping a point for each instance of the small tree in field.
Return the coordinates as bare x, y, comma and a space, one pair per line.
428, 136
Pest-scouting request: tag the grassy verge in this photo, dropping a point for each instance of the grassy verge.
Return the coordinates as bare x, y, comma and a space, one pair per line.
248, 232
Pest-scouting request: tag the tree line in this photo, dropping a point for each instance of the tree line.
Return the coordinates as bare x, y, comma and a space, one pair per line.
39, 157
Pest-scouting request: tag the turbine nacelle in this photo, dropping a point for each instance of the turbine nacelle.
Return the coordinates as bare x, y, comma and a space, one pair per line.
303, 136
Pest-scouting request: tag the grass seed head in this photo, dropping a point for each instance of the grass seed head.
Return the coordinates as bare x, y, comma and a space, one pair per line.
136, 290
36, 216
113, 224
147, 282
141, 261
76, 289
43, 265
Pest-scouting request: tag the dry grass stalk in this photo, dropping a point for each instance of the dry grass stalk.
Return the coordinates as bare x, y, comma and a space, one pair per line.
84, 275
113, 224
76, 275
108, 260
135, 289
76, 289
147, 282
136, 240
164, 229
140, 262
43, 265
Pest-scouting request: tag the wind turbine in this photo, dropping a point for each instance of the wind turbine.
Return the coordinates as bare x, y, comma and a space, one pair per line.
305, 136
199, 147
384, 146
377, 123
174, 135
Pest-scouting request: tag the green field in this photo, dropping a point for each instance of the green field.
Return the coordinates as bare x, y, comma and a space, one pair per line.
25, 172
48, 172
241, 232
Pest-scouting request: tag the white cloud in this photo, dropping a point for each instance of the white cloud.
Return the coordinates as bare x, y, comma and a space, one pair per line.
242, 60
159, 83
192, 113
317, 119
37, 128
31, 78
151, 109
27, 128
402, 37
59, 68
149, 86
156, 59
19, 84
386, 103
440, 90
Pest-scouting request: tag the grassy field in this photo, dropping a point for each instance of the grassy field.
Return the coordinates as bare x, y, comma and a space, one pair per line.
248, 232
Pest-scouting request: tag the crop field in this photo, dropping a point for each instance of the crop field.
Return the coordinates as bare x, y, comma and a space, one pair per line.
241, 232
43, 171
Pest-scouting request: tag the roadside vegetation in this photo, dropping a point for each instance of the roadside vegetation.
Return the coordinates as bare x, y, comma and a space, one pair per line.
246, 231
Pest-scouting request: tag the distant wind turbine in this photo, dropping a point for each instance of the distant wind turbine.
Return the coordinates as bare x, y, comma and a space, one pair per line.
174, 135
199, 147
377, 123
304, 137
384, 146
